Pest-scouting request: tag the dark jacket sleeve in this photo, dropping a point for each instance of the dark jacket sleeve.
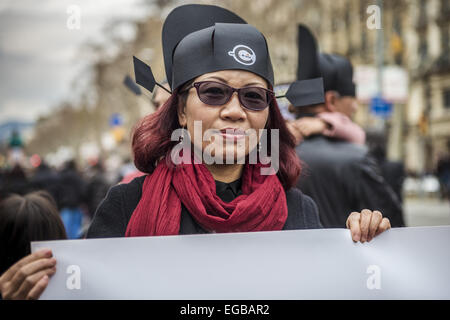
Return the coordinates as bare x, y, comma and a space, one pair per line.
109, 219
302, 211
312, 220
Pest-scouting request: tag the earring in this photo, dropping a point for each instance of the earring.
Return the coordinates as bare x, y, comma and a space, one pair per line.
182, 136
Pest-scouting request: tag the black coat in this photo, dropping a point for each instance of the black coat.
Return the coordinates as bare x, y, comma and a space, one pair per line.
46, 179
113, 214
96, 189
341, 177
71, 189
394, 174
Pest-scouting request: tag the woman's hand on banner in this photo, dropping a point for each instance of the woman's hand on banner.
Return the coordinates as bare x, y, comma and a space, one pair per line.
366, 225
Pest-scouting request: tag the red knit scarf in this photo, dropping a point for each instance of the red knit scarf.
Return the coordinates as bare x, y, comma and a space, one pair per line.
261, 207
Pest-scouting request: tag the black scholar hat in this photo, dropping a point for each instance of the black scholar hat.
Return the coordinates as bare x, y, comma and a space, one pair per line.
198, 39
308, 89
336, 71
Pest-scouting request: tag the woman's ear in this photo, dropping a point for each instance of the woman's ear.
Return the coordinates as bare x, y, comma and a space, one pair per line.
330, 101
181, 111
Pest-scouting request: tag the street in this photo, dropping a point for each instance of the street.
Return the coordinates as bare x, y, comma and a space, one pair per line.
426, 212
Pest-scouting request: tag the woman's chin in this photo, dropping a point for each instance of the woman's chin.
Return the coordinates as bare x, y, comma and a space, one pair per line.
226, 156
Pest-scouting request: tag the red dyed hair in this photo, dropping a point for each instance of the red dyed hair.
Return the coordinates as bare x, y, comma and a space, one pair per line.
151, 140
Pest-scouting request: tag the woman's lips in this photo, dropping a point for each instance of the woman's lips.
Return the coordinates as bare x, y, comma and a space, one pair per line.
233, 133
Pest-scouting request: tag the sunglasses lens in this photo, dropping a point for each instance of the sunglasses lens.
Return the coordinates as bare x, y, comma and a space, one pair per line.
213, 93
254, 98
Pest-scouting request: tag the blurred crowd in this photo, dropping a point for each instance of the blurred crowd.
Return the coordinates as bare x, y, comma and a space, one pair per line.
76, 193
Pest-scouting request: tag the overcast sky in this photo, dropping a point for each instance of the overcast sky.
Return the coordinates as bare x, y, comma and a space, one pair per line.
38, 52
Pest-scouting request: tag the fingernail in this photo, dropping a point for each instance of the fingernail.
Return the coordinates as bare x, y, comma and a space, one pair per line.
53, 261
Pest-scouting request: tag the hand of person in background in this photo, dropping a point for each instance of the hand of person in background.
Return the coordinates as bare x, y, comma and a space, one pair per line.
28, 277
366, 225
305, 127
309, 126
294, 131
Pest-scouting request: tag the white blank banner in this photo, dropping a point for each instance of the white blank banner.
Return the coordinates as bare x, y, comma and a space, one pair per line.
403, 263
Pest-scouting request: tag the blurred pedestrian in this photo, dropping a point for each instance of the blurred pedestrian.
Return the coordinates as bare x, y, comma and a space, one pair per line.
15, 181
45, 178
128, 172
160, 96
443, 174
96, 188
32, 217
2, 180
71, 198
392, 171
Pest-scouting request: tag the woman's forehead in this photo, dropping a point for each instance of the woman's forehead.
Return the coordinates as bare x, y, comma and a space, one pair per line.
234, 77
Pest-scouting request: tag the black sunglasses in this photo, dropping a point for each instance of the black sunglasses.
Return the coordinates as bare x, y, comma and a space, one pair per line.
217, 94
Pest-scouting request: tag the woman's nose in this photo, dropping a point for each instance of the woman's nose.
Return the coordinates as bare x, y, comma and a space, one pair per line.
233, 110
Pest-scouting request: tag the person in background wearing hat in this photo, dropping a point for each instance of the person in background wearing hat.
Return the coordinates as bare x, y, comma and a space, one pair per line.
336, 121
160, 96
340, 176
340, 100
220, 73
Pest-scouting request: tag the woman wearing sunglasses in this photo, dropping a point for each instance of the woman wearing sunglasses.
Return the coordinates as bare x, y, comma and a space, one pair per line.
221, 76
220, 73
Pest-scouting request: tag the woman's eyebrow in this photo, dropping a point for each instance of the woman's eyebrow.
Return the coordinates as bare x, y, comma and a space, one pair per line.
253, 83
225, 81
217, 78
